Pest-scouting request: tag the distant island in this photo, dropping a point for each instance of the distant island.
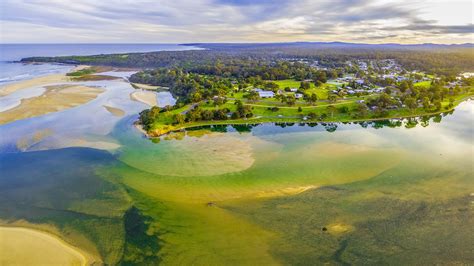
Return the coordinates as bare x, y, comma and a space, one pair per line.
294, 82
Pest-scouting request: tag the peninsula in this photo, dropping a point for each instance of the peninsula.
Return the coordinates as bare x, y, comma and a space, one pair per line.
294, 82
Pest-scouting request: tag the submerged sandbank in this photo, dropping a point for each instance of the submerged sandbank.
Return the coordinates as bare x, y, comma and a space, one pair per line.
23, 246
55, 98
114, 110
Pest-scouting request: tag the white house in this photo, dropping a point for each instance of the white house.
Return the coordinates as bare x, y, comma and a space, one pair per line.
266, 94
293, 89
298, 95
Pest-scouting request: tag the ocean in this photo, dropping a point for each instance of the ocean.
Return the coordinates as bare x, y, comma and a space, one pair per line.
12, 71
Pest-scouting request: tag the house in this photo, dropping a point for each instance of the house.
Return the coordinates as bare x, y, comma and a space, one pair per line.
293, 89
266, 94
298, 95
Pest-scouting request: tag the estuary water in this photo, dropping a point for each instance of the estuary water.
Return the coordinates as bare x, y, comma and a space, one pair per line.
257, 194
388, 192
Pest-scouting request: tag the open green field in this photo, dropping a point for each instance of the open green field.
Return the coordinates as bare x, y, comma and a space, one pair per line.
423, 84
321, 91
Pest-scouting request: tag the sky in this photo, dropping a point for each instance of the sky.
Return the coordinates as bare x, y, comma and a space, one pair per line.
186, 21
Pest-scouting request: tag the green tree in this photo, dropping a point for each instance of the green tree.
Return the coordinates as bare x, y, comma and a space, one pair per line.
411, 103
252, 96
196, 97
290, 100
178, 119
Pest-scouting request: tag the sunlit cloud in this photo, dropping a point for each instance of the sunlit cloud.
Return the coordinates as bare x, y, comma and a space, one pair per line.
178, 21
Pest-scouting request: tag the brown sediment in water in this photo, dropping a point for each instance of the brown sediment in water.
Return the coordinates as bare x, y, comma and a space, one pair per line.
339, 228
114, 110
286, 191
55, 98
26, 142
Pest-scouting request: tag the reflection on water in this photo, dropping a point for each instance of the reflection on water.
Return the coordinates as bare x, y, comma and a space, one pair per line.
165, 98
78, 126
249, 194
314, 195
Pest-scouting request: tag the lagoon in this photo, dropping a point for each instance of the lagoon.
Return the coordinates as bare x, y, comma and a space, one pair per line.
262, 194
267, 194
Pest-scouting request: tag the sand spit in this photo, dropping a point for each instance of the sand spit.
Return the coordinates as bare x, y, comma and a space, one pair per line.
56, 98
23, 246
115, 111
146, 97
31, 83
146, 87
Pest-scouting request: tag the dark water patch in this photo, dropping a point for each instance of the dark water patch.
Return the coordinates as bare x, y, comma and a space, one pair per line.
61, 188
140, 247
372, 222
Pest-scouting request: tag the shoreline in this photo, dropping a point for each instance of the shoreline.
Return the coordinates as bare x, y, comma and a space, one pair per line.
260, 120
43, 236
146, 97
39, 81
55, 98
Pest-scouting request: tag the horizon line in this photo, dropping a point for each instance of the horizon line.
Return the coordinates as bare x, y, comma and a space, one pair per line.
190, 43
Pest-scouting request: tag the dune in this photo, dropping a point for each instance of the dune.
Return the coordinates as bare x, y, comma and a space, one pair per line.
23, 246
55, 98
146, 97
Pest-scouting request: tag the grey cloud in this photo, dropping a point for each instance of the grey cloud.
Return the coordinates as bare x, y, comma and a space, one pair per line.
210, 20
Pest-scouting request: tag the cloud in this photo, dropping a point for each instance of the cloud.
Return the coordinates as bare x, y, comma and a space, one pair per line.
174, 21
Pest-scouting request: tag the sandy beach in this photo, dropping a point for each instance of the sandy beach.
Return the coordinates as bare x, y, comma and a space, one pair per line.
55, 98
145, 86
35, 82
23, 246
146, 97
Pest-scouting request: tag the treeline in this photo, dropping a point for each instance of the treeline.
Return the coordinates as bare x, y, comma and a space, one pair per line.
194, 83
149, 116
412, 97
227, 59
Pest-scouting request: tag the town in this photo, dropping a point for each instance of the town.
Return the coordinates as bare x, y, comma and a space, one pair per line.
358, 90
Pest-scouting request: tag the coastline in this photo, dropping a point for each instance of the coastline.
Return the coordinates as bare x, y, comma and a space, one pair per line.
38, 81
41, 243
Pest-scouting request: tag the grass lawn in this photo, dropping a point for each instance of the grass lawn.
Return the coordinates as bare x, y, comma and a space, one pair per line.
291, 83
423, 84
322, 91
